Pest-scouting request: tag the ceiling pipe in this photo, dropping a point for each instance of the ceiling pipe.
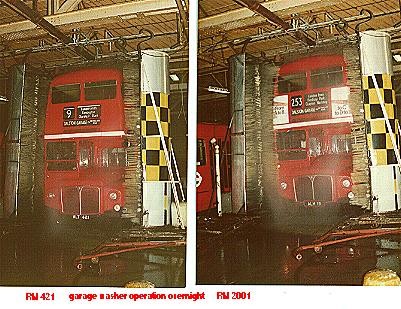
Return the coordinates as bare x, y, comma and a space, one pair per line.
226, 44
183, 17
81, 44
22, 9
259, 9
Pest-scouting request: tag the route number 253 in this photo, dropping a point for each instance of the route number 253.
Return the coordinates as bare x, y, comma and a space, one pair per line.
296, 101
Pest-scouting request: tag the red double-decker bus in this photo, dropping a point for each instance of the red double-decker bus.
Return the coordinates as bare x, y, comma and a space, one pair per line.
85, 144
312, 130
206, 166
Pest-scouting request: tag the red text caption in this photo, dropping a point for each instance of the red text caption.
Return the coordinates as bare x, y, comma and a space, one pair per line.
233, 295
37, 296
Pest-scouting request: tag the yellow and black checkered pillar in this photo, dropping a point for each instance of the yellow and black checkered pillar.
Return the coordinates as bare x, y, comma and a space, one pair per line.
153, 158
378, 92
155, 127
381, 148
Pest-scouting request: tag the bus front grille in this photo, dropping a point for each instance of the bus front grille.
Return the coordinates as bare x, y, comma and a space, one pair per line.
90, 200
80, 200
314, 188
70, 200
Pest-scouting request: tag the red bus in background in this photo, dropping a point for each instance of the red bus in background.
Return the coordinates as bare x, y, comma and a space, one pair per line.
85, 144
2, 163
206, 168
312, 130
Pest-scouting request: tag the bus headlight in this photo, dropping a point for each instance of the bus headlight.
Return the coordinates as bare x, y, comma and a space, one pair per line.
283, 185
351, 195
51, 195
346, 183
117, 207
113, 196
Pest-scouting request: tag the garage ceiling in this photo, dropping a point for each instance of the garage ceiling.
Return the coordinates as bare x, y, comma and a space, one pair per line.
91, 29
267, 28
109, 28
227, 27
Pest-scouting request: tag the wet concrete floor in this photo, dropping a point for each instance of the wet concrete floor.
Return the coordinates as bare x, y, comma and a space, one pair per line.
256, 254
32, 256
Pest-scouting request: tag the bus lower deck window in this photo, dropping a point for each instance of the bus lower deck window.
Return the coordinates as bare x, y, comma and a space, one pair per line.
315, 146
114, 157
61, 151
291, 140
291, 145
85, 154
341, 143
61, 156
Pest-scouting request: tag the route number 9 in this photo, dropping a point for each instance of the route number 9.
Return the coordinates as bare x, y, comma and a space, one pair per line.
69, 113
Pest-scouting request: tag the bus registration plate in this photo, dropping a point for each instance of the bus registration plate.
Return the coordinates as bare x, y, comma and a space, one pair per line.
313, 203
82, 217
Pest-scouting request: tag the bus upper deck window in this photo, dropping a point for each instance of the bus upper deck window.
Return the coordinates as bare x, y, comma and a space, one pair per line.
290, 83
66, 93
114, 157
326, 77
201, 153
103, 90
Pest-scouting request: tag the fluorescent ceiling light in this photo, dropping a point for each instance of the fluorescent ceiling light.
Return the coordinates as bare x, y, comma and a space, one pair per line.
218, 90
174, 77
397, 57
